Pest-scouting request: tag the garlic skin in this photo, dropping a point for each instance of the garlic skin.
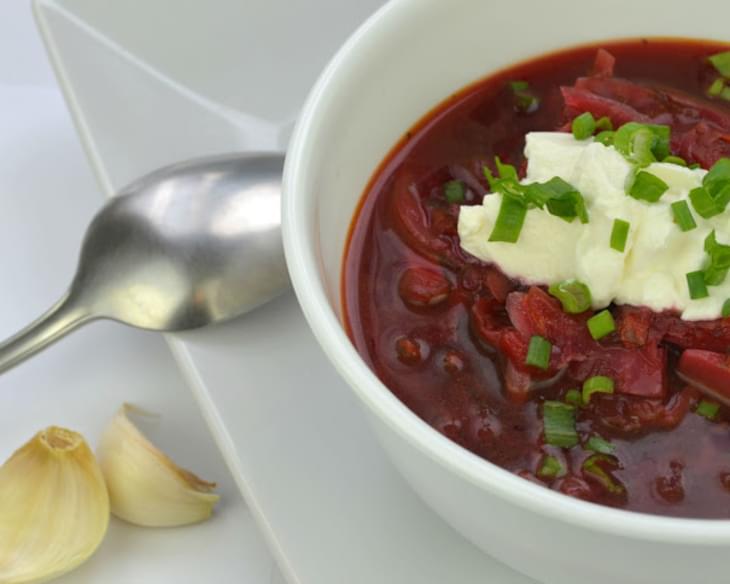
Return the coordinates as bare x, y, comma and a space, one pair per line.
54, 507
145, 486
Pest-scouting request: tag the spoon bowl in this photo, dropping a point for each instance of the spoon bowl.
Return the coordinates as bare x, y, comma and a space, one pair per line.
188, 245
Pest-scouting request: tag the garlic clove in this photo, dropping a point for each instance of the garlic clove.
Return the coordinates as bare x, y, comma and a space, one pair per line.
54, 507
145, 486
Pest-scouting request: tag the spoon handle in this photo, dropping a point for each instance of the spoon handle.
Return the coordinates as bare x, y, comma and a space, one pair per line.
60, 320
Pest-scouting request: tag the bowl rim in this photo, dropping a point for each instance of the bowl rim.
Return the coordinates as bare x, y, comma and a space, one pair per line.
300, 253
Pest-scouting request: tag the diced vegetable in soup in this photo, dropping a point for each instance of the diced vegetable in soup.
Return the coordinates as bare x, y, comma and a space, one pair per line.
539, 270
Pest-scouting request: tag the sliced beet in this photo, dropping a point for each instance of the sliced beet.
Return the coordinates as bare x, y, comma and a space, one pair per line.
707, 371
707, 335
640, 372
421, 287
535, 312
604, 64
633, 324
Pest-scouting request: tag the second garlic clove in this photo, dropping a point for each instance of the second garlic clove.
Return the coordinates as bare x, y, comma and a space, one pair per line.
145, 486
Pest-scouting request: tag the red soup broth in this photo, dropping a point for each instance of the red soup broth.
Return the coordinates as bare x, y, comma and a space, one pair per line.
412, 299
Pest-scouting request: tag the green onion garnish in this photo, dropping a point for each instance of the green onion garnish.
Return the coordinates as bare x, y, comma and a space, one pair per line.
683, 216
707, 409
454, 191
605, 137
726, 308
703, 203
583, 126
716, 270
714, 195
561, 199
647, 187
619, 234
510, 219
601, 324
604, 124
717, 175
696, 285
725, 94
721, 62
506, 181
506, 171
694, 166
559, 424
538, 352
596, 384
550, 468
593, 468
598, 444
675, 160
525, 100
716, 88
575, 296
573, 397
642, 144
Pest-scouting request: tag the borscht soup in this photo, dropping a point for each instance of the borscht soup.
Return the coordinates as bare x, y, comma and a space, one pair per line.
539, 270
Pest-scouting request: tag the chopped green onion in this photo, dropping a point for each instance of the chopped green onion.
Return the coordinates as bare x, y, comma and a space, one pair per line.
716, 88
598, 444
725, 94
721, 62
596, 384
720, 171
716, 270
568, 206
722, 195
583, 126
675, 160
726, 308
550, 468
506, 171
593, 468
559, 424
694, 166
647, 187
717, 175
683, 216
714, 195
619, 234
696, 285
573, 397
509, 221
605, 137
454, 191
538, 352
561, 198
642, 143
703, 203
575, 296
604, 124
601, 324
491, 179
707, 409
525, 100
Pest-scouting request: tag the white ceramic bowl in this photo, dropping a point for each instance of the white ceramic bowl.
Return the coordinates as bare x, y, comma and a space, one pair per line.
406, 59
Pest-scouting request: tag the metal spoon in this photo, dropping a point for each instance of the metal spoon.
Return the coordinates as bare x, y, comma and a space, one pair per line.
185, 246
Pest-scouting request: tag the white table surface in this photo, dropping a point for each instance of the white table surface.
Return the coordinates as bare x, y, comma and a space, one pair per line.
47, 196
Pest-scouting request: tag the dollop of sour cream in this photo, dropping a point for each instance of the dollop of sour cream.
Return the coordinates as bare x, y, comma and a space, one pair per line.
652, 269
